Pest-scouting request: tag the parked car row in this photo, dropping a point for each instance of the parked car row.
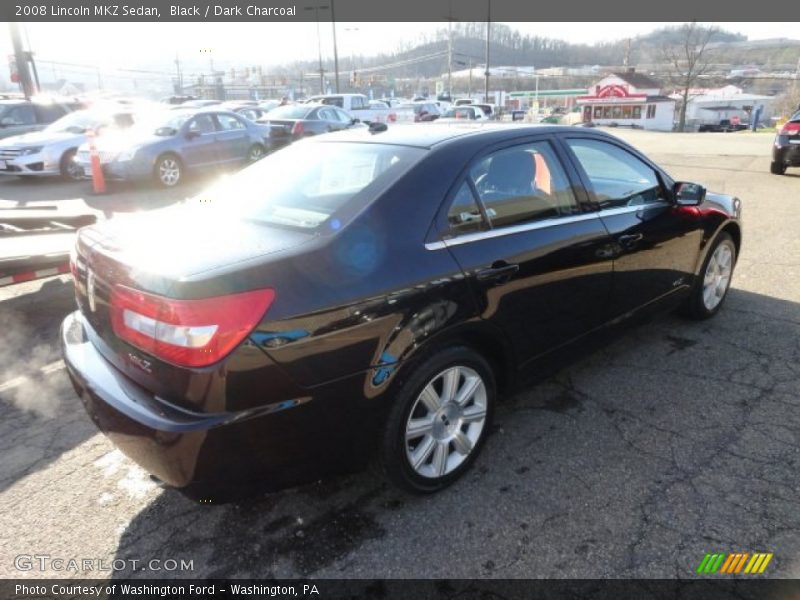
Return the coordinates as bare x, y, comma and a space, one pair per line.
166, 145
52, 151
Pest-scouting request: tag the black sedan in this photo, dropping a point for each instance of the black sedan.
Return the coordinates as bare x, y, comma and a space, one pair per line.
376, 291
786, 150
304, 120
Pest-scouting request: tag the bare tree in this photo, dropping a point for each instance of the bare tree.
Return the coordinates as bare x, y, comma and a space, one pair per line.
687, 58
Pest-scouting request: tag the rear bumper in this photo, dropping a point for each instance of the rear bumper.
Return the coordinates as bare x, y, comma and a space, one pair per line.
787, 154
271, 447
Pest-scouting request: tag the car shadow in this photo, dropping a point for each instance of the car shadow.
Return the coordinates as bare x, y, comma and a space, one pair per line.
611, 455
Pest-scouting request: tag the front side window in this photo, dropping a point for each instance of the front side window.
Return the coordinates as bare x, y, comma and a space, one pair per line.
202, 124
522, 184
618, 177
19, 115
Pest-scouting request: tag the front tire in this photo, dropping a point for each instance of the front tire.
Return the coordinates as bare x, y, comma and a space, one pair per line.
168, 171
439, 420
69, 169
711, 287
777, 168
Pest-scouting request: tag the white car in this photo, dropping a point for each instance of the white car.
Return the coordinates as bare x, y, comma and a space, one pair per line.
461, 114
52, 151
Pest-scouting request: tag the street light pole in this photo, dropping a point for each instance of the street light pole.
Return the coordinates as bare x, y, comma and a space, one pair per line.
319, 47
335, 50
488, 35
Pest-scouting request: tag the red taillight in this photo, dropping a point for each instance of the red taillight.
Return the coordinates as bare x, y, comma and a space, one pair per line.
189, 333
791, 129
297, 128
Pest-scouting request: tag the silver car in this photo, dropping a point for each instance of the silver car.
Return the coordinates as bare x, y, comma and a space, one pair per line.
52, 150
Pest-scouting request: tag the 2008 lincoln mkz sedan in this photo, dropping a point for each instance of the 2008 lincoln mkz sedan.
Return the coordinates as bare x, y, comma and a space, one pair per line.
376, 291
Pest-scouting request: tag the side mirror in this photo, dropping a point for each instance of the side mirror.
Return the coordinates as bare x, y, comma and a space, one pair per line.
192, 133
353, 121
688, 194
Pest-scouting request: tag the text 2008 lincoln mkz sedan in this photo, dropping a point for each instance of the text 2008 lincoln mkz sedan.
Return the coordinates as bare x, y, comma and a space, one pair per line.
376, 291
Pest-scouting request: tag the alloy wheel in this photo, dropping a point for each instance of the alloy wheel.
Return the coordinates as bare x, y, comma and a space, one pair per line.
169, 171
717, 277
445, 422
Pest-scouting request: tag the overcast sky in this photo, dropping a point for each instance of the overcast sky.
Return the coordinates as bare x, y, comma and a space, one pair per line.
110, 45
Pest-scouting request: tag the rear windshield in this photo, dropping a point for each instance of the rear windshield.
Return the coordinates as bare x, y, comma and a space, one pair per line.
795, 117
308, 184
290, 111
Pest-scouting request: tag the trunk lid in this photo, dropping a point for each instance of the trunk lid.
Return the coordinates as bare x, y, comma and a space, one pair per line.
196, 260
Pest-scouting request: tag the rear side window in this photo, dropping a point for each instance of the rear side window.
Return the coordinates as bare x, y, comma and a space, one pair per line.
229, 122
333, 101
618, 177
522, 184
464, 215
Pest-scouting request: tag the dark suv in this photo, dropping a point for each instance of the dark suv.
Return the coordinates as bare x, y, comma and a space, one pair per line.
23, 116
786, 150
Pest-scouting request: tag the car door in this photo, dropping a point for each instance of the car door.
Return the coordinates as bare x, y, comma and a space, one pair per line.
329, 120
655, 246
200, 145
536, 258
233, 139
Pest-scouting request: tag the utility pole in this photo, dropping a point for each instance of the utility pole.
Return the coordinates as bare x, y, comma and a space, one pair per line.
450, 49
20, 56
316, 8
488, 35
179, 74
335, 50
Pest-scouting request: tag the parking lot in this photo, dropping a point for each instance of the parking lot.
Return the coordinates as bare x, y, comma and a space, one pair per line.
677, 439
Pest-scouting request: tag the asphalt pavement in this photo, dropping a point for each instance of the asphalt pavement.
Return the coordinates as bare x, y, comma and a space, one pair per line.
674, 440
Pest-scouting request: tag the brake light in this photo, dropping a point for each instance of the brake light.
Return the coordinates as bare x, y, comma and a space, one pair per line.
298, 128
791, 128
189, 333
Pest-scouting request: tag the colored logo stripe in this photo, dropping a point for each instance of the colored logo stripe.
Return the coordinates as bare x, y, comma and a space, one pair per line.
710, 563
734, 563
758, 563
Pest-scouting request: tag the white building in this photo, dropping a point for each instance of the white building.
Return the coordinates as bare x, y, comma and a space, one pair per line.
710, 106
628, 99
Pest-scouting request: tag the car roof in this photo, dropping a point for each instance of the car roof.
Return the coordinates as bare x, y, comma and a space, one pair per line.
434, 134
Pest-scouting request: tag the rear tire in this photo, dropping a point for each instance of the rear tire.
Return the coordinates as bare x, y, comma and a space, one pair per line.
711, 286
777, 168
168, 171
439, 420
255, 153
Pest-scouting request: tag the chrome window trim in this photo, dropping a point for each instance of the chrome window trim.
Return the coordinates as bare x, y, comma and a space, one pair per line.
511, 230
621, 210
